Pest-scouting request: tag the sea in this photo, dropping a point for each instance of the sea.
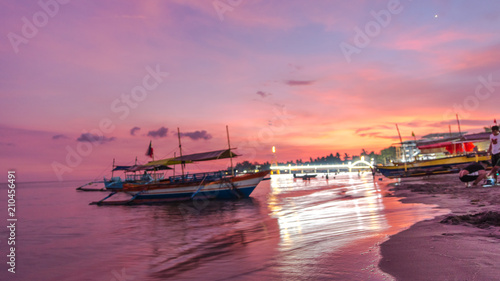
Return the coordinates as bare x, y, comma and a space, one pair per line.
289, 229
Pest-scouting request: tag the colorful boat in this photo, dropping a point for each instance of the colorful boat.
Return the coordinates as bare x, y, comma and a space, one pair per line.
208, 185
445, 165
438, 154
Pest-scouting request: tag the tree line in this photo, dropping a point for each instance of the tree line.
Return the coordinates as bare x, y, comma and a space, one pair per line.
338, 158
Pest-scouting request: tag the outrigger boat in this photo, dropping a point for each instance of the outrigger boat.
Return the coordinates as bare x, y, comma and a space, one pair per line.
208, 185
455, 152
445, 165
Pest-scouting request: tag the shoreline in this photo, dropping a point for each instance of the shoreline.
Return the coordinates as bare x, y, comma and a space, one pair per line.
461, 245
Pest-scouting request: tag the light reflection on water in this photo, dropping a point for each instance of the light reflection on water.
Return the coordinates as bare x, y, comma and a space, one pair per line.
290, 229
318, 217
323, 212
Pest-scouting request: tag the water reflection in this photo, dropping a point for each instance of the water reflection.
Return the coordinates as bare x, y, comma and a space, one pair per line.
325, 210
317, 217
288, 230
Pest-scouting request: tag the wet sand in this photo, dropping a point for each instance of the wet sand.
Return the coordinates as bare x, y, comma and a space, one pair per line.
461, 245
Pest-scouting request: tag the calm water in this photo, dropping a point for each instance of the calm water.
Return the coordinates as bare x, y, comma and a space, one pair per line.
288, 230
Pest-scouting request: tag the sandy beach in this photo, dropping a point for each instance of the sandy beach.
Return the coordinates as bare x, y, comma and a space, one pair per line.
461, 245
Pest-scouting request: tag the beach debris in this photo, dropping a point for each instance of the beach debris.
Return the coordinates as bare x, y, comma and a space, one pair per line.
474, 201
480, 220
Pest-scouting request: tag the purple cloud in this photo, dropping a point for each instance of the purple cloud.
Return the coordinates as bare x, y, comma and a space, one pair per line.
263, 94
299, 82
160, 133
133, 130
7, 144
196, 135
88, 137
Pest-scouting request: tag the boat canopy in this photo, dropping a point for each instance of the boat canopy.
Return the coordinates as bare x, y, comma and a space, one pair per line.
197, 157
121, 168
477, 137
136, 168
450, 147
435, 143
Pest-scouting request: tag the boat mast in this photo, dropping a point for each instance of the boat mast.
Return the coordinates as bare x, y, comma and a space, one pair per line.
404, 151
174, 164
112, 170
180, 149
458, 122
135, 165
460, 132
230, 154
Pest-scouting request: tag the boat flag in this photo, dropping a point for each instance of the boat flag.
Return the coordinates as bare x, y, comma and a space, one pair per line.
150, 150
412, 134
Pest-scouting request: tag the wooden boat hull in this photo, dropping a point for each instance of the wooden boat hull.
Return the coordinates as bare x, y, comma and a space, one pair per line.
431, 167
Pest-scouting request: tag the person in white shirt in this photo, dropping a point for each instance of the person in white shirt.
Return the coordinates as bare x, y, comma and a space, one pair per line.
494, 150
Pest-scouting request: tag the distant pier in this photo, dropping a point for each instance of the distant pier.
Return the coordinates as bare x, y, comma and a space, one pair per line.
330, 168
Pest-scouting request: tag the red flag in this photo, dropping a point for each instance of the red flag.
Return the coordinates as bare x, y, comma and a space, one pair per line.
495, 121
150, 150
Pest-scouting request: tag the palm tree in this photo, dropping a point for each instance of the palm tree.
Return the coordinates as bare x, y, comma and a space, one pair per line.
346, 157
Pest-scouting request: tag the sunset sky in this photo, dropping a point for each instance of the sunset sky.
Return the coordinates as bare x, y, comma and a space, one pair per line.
83, 82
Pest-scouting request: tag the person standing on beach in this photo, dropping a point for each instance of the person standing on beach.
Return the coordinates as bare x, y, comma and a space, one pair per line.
494, 150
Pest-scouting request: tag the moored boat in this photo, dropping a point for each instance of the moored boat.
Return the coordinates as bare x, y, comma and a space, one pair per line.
186, 186
438, 154
445, 165
212, 185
